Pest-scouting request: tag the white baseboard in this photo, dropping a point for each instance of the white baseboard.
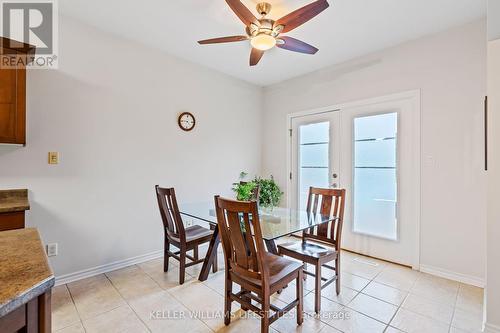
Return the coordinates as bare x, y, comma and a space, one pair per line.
463, 278
67, 278
490, 328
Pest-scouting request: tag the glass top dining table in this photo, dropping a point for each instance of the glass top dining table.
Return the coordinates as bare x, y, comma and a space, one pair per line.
275, 223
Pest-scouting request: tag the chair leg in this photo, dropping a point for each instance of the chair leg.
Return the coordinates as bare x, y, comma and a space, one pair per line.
166, 256
300, 297
264, 321
337, 272
305, 269
227, 301
214, 264
195, 253
317, 291
182, 266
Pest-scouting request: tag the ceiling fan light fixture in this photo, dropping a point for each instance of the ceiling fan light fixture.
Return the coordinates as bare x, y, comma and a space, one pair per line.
263, 42
265, 33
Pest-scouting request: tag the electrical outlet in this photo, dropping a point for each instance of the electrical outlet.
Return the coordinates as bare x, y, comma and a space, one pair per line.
52, 249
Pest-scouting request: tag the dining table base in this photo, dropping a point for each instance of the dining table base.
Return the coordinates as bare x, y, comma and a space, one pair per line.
271, 246
211, 254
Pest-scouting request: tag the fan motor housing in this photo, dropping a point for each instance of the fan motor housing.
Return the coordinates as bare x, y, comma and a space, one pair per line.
266, 26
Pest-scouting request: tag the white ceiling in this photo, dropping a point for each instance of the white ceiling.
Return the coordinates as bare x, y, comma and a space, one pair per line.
348, 29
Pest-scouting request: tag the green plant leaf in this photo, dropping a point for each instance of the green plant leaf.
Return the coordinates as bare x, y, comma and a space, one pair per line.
269, 192
244, 192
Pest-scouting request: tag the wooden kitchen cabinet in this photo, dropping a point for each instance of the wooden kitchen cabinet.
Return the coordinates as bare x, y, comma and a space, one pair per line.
13, 204
11, 221
13, 91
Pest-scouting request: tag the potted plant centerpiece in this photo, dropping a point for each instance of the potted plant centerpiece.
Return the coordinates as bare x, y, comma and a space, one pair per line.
264, 190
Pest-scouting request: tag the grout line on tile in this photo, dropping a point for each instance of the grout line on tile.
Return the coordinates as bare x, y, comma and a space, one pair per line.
116, 307
397, 310
189, 308
364, 314
454, 308
76, 308
398, 307
127, 302
139, 317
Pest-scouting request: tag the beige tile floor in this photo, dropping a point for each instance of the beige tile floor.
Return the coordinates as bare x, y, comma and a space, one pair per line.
376, 297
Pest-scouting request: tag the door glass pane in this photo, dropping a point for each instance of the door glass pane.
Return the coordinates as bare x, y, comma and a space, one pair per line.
314, 155
314, 143
375, 176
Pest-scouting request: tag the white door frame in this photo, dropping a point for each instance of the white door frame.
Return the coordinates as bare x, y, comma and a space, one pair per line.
415, 97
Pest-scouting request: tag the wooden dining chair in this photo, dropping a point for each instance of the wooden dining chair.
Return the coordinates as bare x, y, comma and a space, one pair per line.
310, 249
185, 239
259, 273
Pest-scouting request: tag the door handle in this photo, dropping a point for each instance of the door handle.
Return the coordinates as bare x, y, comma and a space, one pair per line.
486, 133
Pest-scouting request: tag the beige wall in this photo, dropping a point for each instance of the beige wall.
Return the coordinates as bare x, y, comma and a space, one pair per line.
493, 19
111, 112
450, 70
493, 226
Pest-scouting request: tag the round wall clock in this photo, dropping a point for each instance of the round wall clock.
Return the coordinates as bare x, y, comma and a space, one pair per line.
186, 121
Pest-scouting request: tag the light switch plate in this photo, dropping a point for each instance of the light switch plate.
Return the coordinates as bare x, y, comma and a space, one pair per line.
53, 157
52, 250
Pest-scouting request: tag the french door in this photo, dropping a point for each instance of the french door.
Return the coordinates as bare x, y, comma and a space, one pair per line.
372, 149
315, 155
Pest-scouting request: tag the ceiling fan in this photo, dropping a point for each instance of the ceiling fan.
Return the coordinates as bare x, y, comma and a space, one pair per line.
265, 33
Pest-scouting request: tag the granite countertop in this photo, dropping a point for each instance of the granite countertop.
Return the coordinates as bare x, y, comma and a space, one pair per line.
14, 201
24, 269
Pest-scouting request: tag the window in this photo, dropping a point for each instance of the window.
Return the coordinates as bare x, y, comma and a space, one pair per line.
375, 176
314, 143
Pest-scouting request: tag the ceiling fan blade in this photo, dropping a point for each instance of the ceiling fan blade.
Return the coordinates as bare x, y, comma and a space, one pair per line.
296, 45
255, 56
242, 12
302, 15
223, 40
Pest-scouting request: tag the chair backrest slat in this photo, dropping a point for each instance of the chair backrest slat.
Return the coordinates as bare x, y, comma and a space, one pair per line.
315, 205
237, 239
326, 205
249, 242
241, 237
169, 212
332, 204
